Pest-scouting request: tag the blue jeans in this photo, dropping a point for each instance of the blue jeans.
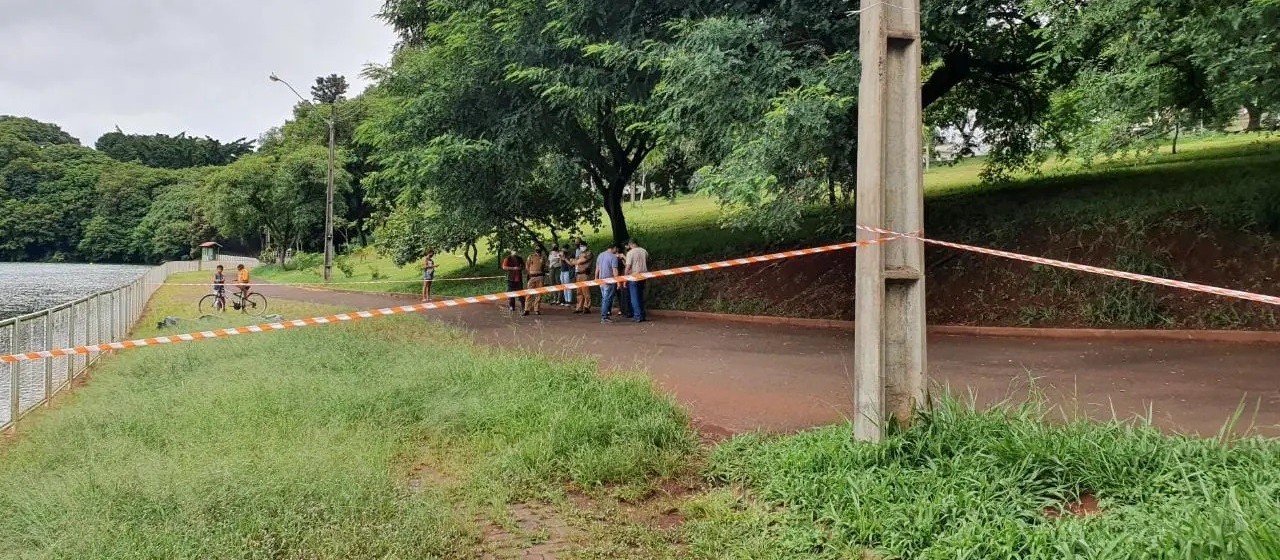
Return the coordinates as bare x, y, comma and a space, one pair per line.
636, 290
607, 291
566, 276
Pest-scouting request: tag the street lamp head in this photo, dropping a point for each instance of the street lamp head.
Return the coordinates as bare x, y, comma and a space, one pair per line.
274, 77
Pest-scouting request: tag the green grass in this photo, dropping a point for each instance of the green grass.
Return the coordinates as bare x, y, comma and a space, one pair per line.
301, 444
965, 484
1225, 181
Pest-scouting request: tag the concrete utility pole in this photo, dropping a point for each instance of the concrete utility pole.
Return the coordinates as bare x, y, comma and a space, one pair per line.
889, 336
328, 195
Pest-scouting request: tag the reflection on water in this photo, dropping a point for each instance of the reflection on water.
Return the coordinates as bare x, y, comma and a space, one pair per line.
27, 287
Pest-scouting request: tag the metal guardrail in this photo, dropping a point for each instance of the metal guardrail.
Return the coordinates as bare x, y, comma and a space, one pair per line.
103, 317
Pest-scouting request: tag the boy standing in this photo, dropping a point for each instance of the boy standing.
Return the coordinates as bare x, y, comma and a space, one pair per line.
220, 287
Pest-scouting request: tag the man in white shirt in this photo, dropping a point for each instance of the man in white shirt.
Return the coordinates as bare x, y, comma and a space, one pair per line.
637, 262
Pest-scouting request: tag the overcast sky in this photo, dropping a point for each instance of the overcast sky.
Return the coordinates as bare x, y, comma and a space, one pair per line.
170, 66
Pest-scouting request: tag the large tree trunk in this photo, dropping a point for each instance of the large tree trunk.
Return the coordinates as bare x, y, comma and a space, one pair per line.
1255, 118
472, 254
613, 208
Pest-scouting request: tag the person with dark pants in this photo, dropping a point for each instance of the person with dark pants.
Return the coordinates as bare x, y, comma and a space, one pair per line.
624, 297
637, 263
607, 266
514, 266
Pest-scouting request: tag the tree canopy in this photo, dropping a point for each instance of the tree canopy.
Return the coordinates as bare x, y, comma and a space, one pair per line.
280, 193
329, 89
171, 152
508, 121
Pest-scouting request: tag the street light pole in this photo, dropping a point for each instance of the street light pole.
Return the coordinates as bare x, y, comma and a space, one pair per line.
328, 195
328, 205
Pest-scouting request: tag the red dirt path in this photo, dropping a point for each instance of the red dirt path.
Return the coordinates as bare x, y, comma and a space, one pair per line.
739, 378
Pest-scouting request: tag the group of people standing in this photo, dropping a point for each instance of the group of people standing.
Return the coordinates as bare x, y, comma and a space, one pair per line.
576, 263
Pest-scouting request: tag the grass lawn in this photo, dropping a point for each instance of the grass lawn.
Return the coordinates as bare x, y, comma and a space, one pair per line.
398, 438
306, 444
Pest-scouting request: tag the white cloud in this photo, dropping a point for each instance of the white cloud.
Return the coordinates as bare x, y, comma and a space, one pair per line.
172, 66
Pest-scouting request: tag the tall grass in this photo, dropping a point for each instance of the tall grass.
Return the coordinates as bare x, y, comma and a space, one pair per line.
993, 484
299, 445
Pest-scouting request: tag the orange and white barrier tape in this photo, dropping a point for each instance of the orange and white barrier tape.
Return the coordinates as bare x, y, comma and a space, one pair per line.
407, 281
458, 302
1237, 294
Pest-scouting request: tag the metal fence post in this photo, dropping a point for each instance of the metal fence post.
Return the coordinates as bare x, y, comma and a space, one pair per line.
71, 342
15, 375
113, 316
48, 362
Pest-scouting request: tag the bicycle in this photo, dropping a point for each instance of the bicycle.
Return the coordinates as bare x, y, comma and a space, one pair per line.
253, 304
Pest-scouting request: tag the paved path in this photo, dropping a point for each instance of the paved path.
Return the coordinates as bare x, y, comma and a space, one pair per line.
736, 377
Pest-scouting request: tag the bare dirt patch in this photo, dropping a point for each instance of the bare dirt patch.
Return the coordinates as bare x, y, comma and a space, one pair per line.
533, 531
971, 289
1085, 506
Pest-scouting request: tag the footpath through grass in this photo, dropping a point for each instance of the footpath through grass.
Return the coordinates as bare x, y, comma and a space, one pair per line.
300, 444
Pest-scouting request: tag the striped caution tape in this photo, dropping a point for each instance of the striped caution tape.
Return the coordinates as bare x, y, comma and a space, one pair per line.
1237, 294
459, 302
408, 281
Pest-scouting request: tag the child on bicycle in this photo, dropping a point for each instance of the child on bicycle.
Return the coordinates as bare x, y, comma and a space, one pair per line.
242, 281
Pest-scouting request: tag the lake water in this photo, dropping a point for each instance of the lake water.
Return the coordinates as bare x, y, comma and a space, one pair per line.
27, 287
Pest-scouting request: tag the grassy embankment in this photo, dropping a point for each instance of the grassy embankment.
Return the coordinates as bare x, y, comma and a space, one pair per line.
396, 438
1207, 214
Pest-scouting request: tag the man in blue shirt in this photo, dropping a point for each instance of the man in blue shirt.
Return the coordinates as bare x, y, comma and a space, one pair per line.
608, 266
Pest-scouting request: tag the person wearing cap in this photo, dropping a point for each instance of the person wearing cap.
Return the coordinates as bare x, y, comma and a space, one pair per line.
582, 267
536, 265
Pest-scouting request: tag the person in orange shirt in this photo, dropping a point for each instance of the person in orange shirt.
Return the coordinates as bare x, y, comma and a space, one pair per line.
242, 280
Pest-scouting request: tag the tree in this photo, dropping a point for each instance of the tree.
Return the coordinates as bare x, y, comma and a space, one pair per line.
171, 152
46, 190
560, 75
767, 95
309, 126
329, 89
122, 197
281, 193
1146, 69
33, 131
176, 222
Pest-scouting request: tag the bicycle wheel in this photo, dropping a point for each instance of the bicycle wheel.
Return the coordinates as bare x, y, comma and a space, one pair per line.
255, 304
212, 304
